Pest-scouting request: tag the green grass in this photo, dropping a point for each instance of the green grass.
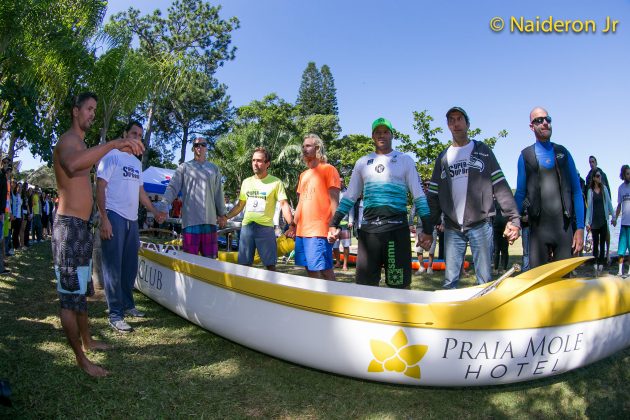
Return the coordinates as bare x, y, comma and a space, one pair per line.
171, 368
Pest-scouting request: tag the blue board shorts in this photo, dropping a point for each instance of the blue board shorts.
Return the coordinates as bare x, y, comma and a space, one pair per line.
313, 253
254, 236
624, 241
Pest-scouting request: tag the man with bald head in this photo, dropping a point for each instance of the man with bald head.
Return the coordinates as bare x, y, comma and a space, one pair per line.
548, 190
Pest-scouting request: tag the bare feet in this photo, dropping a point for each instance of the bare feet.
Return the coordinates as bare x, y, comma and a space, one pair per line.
92, 369
345, 268
96, 345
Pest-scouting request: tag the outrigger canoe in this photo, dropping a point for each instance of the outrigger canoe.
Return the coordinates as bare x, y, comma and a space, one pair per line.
531, 326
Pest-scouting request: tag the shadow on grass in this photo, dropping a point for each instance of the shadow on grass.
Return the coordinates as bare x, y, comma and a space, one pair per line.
169, 367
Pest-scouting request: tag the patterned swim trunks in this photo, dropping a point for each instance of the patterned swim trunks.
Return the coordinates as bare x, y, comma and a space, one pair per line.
201, 239
72, 259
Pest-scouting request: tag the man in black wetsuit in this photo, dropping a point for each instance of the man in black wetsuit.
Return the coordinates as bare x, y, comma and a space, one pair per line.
548, 188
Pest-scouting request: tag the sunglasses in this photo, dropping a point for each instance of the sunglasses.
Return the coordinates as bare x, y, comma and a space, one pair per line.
539, 120
200, 145
598, 176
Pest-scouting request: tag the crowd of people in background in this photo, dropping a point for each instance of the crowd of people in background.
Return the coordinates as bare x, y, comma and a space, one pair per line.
28, 214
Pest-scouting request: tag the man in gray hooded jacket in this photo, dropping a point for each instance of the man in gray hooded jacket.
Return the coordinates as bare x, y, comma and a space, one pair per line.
465, 179
203, 203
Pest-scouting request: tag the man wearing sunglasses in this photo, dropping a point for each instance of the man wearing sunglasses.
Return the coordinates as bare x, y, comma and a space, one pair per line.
548, 189
203, 203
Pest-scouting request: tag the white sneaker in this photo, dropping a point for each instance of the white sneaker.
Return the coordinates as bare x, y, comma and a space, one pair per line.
120, 326
429, 270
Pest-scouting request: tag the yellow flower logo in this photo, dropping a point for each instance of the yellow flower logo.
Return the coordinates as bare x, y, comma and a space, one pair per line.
397, 356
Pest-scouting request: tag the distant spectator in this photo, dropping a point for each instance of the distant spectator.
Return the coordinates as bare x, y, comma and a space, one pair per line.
501, 244
623, 210
16, 211
599, 209
592, 161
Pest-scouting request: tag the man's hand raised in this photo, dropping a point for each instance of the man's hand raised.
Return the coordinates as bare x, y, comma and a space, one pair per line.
133, 146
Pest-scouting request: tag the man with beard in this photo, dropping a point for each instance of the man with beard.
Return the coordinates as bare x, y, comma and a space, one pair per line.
548, 189
465, 178
72, 236
318, 190
259, 194
385, 178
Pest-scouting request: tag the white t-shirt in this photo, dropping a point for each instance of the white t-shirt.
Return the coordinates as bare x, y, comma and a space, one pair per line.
623, 198
457, 159
123, 173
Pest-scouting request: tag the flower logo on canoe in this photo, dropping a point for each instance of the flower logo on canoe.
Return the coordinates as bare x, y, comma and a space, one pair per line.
397, 356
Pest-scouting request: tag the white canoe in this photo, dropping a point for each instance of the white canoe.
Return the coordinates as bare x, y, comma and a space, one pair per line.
531, 326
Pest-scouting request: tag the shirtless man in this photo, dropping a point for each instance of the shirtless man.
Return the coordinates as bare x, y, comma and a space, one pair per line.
72, 238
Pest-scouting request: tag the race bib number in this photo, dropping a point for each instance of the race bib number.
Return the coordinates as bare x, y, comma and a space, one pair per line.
255, 204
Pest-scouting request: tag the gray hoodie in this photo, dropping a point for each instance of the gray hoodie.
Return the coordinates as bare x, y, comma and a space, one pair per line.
202, 193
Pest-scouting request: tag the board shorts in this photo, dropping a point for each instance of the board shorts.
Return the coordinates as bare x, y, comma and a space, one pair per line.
390, 249
624, 241
201, 239
72, 243
257, 237
344, 239
313, 253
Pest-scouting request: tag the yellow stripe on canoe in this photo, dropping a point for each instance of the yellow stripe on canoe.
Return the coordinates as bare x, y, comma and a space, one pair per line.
535, 299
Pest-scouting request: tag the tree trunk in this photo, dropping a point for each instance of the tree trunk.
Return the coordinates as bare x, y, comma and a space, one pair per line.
11, 151
103, 138
147, 137
182, 157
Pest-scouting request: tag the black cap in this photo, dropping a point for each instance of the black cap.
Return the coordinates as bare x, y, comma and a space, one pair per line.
459, 109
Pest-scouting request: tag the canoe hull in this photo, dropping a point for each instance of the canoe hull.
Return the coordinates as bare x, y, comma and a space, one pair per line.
386, 352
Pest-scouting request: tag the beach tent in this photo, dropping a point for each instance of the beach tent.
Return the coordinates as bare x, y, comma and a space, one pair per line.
156, 179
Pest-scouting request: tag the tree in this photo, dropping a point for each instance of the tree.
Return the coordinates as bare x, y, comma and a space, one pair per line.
310, 100
329, 92
43, 53
122, 77
325, 126
343, 153
201, 107
271, 114
192, 36
427, 149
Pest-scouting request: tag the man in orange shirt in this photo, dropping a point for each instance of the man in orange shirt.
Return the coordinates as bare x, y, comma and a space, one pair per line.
318, 191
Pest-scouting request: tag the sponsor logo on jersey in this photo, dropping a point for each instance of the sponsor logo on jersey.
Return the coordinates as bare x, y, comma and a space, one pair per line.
130, 172
379, 168
476, 164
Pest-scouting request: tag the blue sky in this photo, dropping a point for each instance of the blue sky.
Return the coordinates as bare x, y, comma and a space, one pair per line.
391, 58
